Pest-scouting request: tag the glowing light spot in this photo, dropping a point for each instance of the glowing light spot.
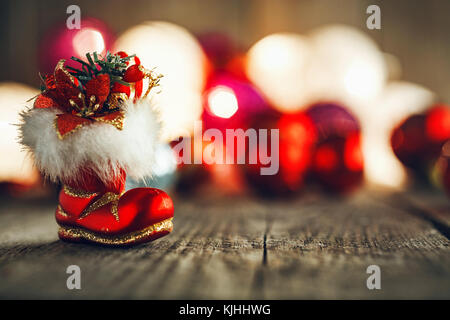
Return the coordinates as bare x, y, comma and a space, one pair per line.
346, 66
222, 102
88, 40
15, 165
277, 65
360, 80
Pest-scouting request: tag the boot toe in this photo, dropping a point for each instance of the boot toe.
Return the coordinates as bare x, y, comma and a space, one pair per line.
141, 215
153, 205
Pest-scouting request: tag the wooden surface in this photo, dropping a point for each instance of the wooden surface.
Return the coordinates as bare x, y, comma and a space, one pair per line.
312, 247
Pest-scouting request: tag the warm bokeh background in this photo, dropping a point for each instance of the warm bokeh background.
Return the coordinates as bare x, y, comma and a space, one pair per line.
415, 31
222, 66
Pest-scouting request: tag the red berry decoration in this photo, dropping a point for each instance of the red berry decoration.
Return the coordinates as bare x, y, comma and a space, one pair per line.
138, 87
337, 161
122, 54
134, 73
120, 88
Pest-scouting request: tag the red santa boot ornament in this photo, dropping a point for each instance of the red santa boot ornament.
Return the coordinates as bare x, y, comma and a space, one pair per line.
88, 129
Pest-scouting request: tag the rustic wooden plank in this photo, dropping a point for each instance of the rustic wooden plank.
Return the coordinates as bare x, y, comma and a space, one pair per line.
433, 204
311, 247
33, 262
323, 252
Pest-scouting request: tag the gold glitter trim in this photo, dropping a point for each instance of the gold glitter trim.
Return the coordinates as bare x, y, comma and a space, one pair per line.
61, 211
116, 122
153, 81
60, 66
78, 193
105, 199
165, 225
115, 210
116, 99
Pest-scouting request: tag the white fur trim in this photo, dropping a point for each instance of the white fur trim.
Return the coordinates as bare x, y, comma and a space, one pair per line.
106, 148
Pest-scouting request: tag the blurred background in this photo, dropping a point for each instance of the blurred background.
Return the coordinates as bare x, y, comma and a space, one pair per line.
355, 107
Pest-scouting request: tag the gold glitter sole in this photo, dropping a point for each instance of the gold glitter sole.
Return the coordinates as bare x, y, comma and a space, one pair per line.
150, 233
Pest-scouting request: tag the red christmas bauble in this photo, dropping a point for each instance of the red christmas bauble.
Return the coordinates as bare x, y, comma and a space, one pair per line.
218, 48
297, 136
337, 162
418, 140
332, 119
410, 143
134, 73
237, 66
437, 124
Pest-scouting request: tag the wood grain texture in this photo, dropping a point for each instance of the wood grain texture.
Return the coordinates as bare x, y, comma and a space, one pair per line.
312, 247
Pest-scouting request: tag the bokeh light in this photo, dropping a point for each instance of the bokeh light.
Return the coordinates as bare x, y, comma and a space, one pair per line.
63, 43
438, 123
346, 66
15, 165
277, 65
230, 102
88, 40
177, 55
222, 102
397, 101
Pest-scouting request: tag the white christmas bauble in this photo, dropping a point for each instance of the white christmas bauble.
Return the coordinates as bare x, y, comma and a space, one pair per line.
15, 164
177, 55
277, 65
